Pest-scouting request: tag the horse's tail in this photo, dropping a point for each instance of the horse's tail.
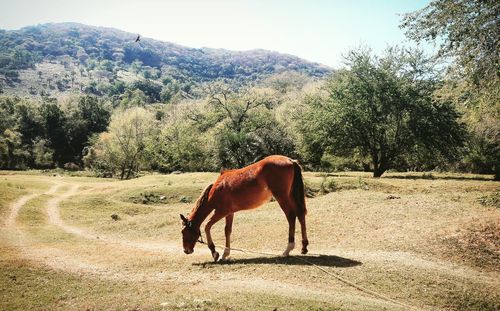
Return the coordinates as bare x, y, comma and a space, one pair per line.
298, 190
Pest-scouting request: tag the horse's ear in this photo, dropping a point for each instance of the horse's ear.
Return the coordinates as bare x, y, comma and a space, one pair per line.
184, 219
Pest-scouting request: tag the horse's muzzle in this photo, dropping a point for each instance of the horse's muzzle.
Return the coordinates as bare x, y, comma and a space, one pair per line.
188, 251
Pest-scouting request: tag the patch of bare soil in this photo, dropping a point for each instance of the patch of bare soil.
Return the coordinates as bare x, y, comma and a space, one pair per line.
478, 244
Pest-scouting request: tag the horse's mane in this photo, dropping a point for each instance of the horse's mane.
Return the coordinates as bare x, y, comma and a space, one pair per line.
201, 200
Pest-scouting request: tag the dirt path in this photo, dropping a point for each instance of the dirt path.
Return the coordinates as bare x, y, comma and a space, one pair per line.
55, 219
10, 221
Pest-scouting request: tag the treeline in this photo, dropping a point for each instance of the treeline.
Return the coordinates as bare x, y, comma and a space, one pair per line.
50, 133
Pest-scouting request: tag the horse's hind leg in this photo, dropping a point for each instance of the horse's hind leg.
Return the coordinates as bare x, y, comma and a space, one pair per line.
305, 242
291, 233
227, 230
286, 205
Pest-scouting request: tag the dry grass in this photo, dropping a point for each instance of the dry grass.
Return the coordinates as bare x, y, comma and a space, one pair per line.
425, 241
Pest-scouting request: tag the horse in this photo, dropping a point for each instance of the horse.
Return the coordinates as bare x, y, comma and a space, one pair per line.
244, 189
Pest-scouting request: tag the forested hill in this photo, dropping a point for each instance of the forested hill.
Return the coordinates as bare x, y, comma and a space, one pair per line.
51, 59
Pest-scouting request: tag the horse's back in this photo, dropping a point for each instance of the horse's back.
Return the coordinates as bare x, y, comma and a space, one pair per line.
253, 185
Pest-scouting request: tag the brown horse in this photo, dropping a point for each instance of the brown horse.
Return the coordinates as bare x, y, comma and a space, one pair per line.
244, 189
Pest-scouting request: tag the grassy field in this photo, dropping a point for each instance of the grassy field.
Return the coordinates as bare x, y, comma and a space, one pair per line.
430, 241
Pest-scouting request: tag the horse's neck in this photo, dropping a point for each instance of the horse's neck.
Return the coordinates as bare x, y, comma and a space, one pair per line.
201, 214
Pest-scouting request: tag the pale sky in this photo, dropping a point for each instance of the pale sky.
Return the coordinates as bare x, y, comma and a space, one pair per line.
317, 30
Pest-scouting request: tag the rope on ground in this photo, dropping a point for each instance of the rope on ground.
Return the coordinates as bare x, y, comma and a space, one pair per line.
335, 275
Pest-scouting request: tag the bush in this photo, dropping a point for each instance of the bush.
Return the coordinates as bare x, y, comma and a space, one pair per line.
70, 166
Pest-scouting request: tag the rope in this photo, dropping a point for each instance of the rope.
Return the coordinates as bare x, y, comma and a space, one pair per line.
335, 275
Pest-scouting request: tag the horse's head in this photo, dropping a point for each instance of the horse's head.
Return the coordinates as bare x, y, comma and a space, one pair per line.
190, 235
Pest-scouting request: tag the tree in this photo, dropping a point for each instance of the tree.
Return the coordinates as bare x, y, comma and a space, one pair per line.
384, 109
151, 89
122, 147
53, 121
12, 153
180, 146
135, 98
42, 154
468, 32
85, 116
248, 129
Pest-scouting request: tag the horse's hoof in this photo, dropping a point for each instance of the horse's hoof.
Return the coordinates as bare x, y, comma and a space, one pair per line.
304, 251
216, 256
225, 256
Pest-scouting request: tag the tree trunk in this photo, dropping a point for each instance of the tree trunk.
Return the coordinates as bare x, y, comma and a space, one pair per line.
122, 175
378, 172
129, 171
379, 167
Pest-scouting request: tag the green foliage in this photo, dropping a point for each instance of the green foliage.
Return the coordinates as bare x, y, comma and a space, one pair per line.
179, 143
49, 131
117, 88
150, 89
14, 59
53, 122
42, 154
85, 116
312, 146
332, 163
328, 184
468, 34
384, 108
12, 153
180, 147
467, 30
287, 81
248, 128
121, 150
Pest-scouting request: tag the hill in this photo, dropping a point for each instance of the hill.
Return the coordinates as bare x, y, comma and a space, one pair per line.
54, 59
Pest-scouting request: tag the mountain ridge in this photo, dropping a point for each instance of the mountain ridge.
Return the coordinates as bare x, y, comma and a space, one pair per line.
106, 51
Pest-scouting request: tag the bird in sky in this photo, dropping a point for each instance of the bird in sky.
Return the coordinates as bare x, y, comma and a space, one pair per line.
138, 38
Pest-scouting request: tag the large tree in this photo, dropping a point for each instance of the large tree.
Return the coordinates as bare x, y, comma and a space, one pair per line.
384, 109
468, 35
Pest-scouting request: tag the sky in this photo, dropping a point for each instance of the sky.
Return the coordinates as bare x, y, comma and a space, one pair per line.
317, 30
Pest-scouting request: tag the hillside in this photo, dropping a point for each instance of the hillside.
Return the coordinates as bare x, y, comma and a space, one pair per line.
54, 59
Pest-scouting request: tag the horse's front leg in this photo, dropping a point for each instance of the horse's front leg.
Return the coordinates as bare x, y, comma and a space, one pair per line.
215, 218
227, 230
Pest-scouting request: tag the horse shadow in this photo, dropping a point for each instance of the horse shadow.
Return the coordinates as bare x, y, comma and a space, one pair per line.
303, 260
